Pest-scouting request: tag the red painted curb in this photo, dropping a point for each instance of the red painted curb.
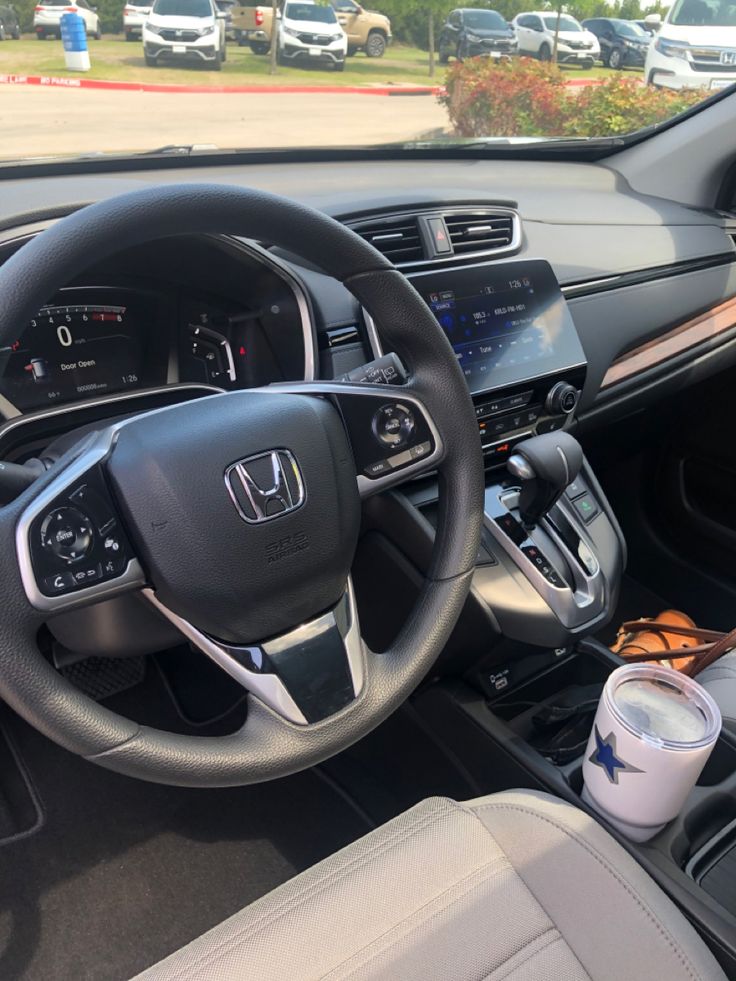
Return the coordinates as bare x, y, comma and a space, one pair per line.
91, 83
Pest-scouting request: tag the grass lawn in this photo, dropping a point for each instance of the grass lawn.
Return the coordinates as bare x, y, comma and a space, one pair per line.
118, 60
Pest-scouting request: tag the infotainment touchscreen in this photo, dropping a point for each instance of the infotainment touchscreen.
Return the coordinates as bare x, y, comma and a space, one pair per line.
507, 321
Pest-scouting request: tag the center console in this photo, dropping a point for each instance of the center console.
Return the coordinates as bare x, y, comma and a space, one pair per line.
549, 576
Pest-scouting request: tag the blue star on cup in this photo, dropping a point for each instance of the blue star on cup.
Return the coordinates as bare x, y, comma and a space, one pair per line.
606, 757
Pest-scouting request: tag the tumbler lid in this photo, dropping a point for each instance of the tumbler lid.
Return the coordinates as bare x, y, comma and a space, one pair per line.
664, 706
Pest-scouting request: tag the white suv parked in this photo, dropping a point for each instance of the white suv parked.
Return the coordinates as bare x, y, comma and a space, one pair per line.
134, 17
190, 30
310, 32
47, 17
695, 47
535, 31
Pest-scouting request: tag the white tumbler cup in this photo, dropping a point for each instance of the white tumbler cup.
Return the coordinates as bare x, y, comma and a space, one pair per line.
653, 733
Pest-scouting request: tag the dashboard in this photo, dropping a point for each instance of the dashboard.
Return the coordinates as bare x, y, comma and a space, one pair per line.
642, 280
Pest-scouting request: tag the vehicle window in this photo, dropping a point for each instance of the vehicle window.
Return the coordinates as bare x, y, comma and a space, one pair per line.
299, 82
483, 20
310, 11
701, 13
182, 8
566, 23
629, 29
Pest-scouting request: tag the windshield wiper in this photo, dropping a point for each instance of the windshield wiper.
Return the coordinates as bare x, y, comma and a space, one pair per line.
179, 149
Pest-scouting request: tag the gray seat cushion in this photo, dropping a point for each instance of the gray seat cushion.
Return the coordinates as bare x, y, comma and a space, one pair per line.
518, 885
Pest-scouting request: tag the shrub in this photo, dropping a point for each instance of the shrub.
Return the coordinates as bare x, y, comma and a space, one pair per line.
622, 105
522, 97
519, 97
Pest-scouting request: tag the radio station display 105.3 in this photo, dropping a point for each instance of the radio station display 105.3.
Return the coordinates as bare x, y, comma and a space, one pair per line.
70, 352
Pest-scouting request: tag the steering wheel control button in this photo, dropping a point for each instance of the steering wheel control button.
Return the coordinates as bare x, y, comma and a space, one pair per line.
87, 575
67, 534
586, 508
62, 582
377, 469
94, 504
393, 425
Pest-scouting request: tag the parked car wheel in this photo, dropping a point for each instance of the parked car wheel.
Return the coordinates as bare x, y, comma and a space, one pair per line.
16, 34
443, 56
616, 59
130, 37
217, 63
151, 62
375, 46
257, 47
339, 66
545, 53
3, 35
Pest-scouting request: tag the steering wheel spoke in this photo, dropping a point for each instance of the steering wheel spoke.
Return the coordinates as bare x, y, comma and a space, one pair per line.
390, 428
71, 545
305, 674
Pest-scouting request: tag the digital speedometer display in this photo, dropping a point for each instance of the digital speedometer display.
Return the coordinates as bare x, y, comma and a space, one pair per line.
73, 351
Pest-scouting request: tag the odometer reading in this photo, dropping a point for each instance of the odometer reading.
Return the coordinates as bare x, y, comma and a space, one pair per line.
71, 352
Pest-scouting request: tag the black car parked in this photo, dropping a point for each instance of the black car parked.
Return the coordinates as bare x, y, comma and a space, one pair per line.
9, 23
469, 33
623, 43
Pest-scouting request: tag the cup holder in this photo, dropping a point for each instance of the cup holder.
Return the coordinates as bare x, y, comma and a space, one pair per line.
720, 766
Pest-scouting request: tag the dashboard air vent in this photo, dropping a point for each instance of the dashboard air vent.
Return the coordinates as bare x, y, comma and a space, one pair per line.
397, 237
480, 232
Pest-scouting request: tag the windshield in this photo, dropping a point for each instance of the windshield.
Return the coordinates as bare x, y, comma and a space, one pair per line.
484, 20
566, 23
703, 13
310, 11
182, 8
319, 76
629, 29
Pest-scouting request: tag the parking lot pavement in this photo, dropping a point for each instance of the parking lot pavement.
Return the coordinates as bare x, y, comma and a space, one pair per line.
41, 121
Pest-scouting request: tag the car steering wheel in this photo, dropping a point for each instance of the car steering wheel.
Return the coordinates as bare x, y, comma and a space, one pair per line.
238, 513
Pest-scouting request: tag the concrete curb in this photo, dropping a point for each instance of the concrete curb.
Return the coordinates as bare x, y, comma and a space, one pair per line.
51, 81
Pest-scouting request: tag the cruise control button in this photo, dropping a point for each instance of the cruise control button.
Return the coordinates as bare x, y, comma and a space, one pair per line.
67, 534
586, 508
393, 425
60, 583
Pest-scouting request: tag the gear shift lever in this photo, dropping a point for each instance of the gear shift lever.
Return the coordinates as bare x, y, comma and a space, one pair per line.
545, 465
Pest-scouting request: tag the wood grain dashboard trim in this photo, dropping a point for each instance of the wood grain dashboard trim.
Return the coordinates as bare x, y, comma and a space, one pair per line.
660, 349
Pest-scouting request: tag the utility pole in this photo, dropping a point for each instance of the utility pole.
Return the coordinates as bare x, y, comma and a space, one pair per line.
431, 42
274, 36
557, 35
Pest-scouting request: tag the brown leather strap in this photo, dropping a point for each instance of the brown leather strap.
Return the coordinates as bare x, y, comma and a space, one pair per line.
657, 626
721, 647
668, 655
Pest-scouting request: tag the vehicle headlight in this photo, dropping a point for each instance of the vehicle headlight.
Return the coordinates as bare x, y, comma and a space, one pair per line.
204, 31
290, 31
152, 28
473, 38
672, 49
